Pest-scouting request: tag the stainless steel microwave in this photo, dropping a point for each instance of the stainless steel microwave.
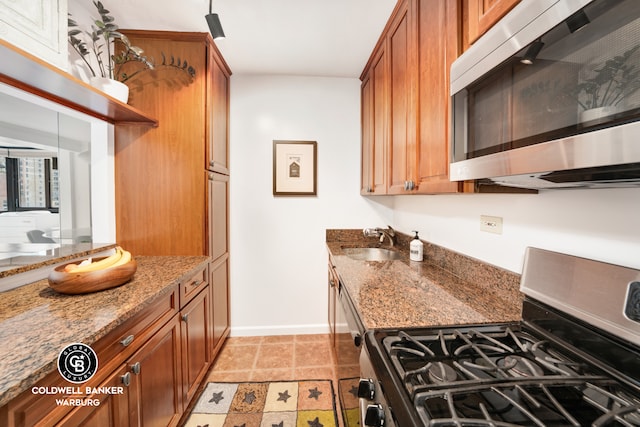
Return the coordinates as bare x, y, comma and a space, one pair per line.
550, 97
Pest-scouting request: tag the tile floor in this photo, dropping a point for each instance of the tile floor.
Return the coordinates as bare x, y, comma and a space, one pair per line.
280, 358
274, 358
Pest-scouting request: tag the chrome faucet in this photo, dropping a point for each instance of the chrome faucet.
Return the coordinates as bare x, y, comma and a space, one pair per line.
381, 233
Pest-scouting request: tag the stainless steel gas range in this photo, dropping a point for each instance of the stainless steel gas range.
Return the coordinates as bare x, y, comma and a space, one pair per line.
573, 360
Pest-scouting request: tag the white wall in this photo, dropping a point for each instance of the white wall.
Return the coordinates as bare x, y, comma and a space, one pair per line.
598, 224
278, 255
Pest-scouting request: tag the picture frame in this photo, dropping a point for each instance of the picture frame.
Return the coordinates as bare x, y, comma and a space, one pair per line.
294, 168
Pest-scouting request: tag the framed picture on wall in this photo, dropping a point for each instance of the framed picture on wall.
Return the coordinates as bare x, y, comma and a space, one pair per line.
294, 168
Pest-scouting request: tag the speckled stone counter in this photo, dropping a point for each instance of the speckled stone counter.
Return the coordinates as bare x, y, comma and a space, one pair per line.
445, 289
36, 323
37, 255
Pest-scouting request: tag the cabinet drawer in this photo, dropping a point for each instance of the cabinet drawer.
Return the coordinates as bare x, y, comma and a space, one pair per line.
120, 343
191, 287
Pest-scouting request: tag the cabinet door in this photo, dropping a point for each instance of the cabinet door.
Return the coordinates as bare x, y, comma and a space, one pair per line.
403, 108
218, 115
196, 324
156, 384
108, 409
366, 124
438, 48
219, 283
374, 125
480, 15
218, 213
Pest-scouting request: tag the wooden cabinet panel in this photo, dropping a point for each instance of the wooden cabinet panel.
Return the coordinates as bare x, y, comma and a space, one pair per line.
219, 271
112, 409
192, 286
409, 70
161, 196
402, 112
380, 123
196, 333
438, 48
366, 124
218, 215
29, 409
480, 15
156, 384
160, 193
375, 127
218, 107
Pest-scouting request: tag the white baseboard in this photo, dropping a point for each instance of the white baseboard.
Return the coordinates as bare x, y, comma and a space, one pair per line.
255, 331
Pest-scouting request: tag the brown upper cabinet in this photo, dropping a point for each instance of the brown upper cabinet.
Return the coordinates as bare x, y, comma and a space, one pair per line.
405, 101
480, 15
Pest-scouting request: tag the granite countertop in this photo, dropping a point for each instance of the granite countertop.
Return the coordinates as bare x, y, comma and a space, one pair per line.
32, 256
445, 289
36, 322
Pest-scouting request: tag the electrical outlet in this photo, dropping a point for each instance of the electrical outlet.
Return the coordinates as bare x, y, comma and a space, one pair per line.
491, 224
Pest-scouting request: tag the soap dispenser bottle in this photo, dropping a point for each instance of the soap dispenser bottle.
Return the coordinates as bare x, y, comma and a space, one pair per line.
416, 248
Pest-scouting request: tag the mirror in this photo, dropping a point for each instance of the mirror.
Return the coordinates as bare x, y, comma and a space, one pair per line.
45, 176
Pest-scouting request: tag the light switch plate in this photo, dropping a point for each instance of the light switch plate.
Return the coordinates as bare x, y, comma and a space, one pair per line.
491, 224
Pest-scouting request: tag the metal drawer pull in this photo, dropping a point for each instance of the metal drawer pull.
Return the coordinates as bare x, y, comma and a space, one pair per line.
185, 318
197, 283
135, 368
126, 379
128, 340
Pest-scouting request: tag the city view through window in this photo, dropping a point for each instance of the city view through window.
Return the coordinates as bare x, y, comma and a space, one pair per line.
28, 183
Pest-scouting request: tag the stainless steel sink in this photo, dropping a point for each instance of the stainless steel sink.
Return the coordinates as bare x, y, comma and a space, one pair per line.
371, 254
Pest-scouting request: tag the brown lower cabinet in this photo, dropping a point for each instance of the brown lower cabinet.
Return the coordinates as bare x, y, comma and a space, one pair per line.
156, 361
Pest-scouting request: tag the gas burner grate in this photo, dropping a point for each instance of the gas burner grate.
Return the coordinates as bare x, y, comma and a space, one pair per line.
451, 357
548, 402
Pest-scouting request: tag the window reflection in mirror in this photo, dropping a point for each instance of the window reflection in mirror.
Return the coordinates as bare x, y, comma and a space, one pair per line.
45, 174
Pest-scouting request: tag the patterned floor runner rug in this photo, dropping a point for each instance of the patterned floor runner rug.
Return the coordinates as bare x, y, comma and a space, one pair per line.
265, 404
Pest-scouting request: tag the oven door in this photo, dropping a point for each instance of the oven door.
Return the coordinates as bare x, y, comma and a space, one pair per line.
347, 346
560, 93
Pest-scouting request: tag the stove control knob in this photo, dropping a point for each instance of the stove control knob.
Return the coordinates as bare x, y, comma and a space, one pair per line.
374, 417
366, 389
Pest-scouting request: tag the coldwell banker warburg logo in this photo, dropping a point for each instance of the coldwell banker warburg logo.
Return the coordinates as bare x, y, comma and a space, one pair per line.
77, 363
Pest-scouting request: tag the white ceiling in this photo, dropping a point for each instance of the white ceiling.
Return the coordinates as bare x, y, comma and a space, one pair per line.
298, 37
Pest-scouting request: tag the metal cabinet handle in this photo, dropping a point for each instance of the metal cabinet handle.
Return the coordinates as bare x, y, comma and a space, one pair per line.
409, 185
126, 379
197, 283
128, 340
135, 368
185, 318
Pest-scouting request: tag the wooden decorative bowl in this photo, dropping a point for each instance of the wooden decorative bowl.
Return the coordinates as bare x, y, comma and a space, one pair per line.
91, 281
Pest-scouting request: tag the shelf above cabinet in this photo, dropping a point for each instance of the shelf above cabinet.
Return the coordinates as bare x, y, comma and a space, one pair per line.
29, 73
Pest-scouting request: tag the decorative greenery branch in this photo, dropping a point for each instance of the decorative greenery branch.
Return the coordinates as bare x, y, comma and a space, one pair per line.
105, 37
